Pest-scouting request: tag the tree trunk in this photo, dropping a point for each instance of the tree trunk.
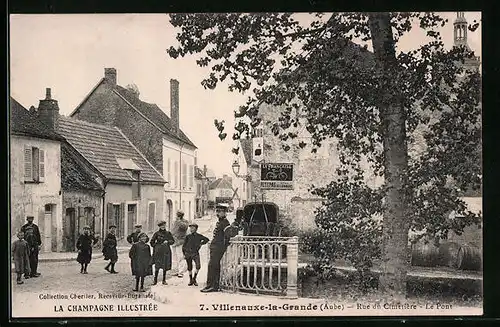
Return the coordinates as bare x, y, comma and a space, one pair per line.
395, 224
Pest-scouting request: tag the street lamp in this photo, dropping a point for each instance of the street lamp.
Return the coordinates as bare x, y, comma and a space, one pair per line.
236, 171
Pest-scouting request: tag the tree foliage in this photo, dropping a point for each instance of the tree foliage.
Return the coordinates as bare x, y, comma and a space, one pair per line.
314, 68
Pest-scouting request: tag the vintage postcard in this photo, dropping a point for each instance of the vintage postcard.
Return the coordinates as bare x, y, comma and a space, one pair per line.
227, 165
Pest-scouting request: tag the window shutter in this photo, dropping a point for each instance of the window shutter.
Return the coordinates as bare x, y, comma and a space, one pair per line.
109, 215
121, 224
28, 172
169, 179
41, 164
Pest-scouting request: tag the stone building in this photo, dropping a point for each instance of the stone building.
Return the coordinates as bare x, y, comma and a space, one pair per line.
202, 182
156, 135
35, 174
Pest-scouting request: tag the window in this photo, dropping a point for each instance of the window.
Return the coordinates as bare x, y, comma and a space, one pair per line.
184, 175
169, 177
176, 174
258, 132
136, 185
151, 215
198, 189
34, 164
189, 210
117, 217
191, 176
244, 187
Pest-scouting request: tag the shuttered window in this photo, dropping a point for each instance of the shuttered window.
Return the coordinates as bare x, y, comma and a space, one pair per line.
34, 164
191, 177
184, 175
169, 177
176, 174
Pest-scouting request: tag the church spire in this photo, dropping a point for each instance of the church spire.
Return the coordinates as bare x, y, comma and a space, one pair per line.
460, 30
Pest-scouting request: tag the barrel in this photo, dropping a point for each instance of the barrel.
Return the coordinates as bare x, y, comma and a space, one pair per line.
424, 255
448, 254
469, 258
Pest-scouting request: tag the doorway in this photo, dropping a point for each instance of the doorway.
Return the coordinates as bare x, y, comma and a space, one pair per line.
131, 217
48, 228
70, 230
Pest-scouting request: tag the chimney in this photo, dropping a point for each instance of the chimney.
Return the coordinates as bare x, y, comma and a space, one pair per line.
174, 104
110, 75
48, 111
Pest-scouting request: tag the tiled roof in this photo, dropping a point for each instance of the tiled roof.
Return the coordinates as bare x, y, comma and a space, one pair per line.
74, 176
153, 113
102, 145
22, 122
246, 147
220, 183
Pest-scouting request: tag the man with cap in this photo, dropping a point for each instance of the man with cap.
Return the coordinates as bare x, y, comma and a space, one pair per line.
134, 237
162, 254
109, 249
179, 232
217, 248
35, 242
190, 249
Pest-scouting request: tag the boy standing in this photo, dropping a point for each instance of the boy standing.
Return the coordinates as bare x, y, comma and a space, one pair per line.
84, 245
109, 250
20, 253
190, 249
141, 263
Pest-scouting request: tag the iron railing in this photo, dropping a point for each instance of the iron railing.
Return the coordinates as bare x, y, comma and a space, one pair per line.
262, 265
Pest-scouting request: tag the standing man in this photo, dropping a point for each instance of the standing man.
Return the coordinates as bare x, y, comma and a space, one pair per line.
217, 248
134, 237
35, 243
179, 232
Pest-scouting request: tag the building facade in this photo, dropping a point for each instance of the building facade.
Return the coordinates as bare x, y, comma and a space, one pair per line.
156, 135
35, 176
221, 191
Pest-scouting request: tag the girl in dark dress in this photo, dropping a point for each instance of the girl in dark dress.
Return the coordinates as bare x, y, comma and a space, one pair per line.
84, 245
109, 250
20, 254
162, 254
140, 261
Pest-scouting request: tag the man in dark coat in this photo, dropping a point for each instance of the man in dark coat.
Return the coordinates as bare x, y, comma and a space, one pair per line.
109, 250
162, 254
190, 249
217, 248
35, 243
20, 254
134, 237
84, 245
140, 261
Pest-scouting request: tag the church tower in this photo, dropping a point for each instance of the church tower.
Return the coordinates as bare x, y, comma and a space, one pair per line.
460, 28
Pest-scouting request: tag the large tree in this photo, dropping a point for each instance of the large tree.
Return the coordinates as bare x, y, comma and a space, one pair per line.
411, 118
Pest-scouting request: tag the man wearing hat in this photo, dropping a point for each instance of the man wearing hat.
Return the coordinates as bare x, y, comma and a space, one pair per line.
109, 249
162, 254
179, 232
134, 237
35, 242
190, 249
217, 248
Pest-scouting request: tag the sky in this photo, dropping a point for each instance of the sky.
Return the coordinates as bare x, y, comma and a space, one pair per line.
68, 53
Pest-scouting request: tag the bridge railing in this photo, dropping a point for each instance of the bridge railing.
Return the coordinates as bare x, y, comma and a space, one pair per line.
262, 265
